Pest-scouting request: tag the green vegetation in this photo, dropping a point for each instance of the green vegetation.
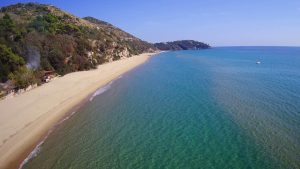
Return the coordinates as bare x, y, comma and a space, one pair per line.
47, 23
50, 23
182, 45
12, 67
6, 25
23, 77
9, 62
52, 40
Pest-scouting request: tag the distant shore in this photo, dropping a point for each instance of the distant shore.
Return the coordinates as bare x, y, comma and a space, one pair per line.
26, 118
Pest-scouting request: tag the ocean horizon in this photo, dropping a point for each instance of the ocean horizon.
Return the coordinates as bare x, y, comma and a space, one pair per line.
225, 107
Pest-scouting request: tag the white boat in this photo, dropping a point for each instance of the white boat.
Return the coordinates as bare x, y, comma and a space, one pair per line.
258, 62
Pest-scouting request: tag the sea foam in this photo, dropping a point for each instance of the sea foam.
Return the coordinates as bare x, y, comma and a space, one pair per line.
38, 147
103, 89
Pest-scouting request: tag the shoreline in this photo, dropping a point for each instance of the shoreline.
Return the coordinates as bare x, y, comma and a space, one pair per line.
27, 118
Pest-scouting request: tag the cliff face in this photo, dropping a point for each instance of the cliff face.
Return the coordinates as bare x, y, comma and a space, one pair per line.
182, 45
36, 38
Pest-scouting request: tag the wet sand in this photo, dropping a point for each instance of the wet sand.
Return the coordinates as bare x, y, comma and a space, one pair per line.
26, 118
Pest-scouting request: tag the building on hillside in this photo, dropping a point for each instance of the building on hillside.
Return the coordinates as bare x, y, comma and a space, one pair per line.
48, 75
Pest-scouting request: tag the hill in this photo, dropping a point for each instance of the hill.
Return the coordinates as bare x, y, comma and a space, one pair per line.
37, 38
181, 45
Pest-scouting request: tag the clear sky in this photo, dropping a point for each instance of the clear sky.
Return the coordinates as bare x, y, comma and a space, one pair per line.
217, 22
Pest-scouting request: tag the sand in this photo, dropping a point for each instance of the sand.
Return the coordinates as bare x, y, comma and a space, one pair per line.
26, 118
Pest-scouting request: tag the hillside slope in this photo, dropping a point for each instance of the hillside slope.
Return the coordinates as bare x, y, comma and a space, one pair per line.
181, 45
35, 38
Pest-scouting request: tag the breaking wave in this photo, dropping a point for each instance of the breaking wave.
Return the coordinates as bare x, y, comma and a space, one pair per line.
103, 89
38, 147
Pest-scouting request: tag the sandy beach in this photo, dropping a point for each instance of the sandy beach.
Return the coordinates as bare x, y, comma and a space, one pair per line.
26, 118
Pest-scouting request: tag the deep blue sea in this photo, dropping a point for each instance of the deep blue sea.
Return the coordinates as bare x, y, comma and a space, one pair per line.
210, 109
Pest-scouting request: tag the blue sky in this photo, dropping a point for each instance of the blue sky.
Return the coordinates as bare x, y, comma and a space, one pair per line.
217, 22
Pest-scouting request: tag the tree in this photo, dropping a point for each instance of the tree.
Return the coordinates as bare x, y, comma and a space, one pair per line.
7, 24
47, 23
9, 62
22, 77
7, 27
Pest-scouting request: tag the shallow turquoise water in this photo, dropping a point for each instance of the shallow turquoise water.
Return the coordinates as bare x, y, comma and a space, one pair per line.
190, 109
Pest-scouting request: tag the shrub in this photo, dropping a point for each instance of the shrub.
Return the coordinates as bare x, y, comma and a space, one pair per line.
22, 77
69, 29
45, 64
39, 24
56, 59
46, 23
7, 27
9, 62
7, 24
